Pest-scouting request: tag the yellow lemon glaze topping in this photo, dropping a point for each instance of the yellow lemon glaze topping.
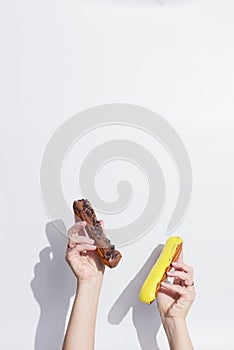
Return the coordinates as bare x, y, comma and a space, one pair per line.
169, 254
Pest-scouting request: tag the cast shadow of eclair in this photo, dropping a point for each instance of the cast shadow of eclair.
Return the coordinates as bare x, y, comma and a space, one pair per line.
53, 285
146, 318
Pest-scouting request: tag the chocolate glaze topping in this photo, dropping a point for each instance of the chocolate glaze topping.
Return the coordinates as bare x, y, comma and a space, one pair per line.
106, 251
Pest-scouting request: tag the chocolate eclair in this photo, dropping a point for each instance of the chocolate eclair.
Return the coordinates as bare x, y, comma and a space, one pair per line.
106, 251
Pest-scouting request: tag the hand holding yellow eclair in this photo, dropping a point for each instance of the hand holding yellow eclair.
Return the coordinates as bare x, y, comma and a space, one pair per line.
158, 273
174, 301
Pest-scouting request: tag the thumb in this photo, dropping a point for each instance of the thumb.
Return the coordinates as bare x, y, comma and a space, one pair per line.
102, 224
180, 258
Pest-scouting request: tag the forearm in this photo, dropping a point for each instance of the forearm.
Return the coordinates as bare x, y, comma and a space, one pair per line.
80, 333
177, 334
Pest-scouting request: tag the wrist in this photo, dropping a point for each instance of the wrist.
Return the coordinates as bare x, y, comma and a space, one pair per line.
174, 327
173, 323
177, 333
93, 284
87, 294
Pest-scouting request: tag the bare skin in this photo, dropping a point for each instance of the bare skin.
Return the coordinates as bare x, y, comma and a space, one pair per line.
173, 300
88, 269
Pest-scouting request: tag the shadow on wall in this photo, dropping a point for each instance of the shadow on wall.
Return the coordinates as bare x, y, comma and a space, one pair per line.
146, 318
53, 285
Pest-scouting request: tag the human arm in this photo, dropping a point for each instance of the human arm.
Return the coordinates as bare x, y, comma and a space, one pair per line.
88, 269
174, 301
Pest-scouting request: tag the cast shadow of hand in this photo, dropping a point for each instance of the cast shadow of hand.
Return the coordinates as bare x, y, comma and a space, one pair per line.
146, 318
52, 286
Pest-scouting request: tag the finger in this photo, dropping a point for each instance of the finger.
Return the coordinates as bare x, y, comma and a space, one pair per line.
186, 277
76, 228
102, 224
75, 232
169, 292
71, 244
175, 288
177, 280
180, 258
82, 247
82, 239
176, 292
80, 224
81, 228
178, 265
79, 248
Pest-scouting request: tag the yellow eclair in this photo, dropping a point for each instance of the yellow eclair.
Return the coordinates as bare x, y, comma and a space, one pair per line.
158, 273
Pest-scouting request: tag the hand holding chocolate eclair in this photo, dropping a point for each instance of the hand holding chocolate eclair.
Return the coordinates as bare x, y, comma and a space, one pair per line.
105, 249
81, 255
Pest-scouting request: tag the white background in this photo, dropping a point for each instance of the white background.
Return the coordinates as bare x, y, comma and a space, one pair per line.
60, 57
